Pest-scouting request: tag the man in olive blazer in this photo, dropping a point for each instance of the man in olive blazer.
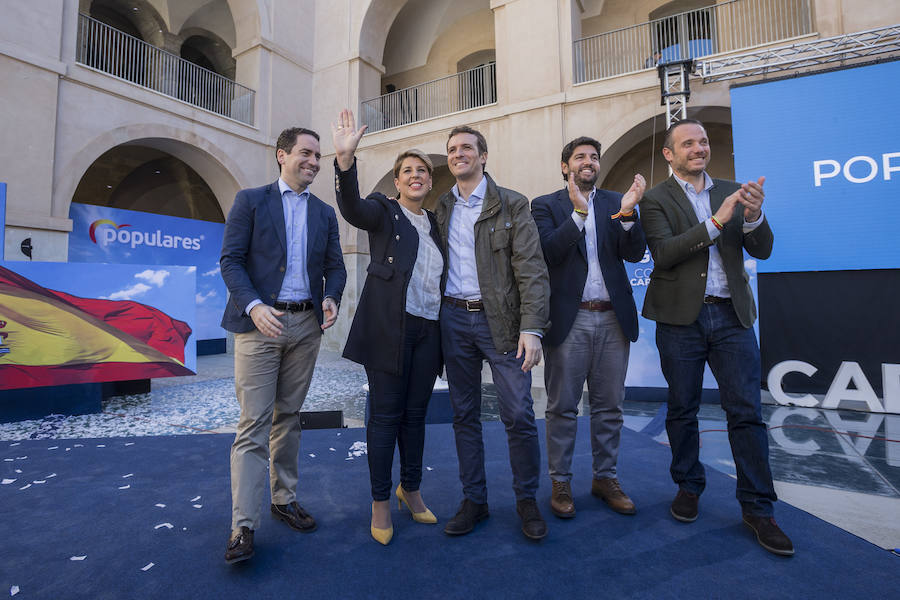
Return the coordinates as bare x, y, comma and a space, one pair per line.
697, 229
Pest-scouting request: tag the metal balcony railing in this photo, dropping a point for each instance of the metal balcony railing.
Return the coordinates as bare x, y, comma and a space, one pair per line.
126, 57
723, 27
462, 91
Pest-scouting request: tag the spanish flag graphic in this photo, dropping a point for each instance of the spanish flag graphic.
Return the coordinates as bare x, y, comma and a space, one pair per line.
53, 338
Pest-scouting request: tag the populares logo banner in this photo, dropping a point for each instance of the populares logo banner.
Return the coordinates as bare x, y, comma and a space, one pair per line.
101, 234
111, 233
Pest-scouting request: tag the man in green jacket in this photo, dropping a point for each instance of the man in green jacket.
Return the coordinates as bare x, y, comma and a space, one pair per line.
697, 229
495, 309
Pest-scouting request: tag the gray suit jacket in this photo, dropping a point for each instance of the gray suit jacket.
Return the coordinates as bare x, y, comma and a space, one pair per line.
679, 244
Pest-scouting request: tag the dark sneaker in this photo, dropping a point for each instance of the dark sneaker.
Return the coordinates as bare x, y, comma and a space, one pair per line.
294, 515
240, 545
533, 525
769, 535
609, 490
561, 503
684, 506
466, 517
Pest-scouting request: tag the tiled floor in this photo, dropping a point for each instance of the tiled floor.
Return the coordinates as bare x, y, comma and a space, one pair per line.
841, 466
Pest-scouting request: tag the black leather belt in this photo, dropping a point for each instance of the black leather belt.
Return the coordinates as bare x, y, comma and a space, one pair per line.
716, 300
596, 305
469, 305
294, 306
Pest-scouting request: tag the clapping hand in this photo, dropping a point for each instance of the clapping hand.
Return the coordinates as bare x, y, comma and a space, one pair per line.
634, 194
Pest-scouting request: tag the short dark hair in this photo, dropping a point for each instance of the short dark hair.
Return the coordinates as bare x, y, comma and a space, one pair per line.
288, 139
569, 149
482, 143
667, 141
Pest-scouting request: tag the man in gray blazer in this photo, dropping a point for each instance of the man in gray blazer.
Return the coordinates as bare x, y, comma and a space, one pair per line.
697, 229
282, 262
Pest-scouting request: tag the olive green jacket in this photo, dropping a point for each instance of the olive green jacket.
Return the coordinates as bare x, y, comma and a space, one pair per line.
512, 275
679, 245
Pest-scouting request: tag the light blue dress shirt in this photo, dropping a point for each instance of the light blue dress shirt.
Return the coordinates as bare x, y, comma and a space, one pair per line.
716, 280
462, 274
295, 286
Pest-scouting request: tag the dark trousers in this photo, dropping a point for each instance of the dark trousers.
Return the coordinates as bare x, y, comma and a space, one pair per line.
397, 406
466, 341
717, 337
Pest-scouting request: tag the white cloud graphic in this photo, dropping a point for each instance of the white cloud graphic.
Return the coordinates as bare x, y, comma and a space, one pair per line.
138, 289
213, 272
191, 269
201, 298
157, 278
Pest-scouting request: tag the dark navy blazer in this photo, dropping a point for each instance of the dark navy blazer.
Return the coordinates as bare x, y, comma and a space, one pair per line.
254, 253
376, 335
566, 254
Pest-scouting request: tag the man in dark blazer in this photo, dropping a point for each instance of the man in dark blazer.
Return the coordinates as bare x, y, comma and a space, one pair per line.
282, 262
698, 229
586, 233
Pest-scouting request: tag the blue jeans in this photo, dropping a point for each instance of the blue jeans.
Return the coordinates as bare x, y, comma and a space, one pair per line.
397, 407
466, 340
717, 337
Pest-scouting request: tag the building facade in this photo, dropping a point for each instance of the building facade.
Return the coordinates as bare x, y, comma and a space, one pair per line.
172, 106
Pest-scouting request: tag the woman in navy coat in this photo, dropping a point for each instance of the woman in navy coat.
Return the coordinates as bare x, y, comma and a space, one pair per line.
395, 332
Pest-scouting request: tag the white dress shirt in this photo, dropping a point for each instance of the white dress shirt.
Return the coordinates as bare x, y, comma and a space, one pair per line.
423, 294
594, 286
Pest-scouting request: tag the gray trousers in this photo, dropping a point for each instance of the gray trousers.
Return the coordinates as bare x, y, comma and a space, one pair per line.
271, 378
595, 351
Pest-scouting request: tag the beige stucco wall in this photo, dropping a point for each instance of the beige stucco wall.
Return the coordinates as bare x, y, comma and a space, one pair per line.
306, 59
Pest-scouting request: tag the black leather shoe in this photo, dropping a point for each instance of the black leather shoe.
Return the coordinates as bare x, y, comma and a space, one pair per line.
294, 515
533, 525
684, 506
769, 535
466, 517
240, 545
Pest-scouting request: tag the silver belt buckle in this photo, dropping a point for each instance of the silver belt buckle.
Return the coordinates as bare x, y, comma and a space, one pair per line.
470, 307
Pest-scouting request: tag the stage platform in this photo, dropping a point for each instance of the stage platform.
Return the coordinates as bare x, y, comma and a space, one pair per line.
149, 517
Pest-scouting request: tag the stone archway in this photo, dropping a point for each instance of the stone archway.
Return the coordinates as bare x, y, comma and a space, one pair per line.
220, 172
639, 150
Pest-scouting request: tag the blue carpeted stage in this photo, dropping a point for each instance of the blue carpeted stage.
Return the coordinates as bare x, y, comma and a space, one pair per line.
125, 503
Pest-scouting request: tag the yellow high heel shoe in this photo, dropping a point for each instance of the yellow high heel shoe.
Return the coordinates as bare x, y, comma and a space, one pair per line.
382, 536
426, 516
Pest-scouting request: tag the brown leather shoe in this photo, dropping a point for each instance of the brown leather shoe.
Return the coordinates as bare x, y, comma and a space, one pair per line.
240, 545
609, 490
561, 503
294, 515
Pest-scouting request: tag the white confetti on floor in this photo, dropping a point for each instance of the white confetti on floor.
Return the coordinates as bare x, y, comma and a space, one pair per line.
160, 505
25, 487
312, 455
124, 487
166, 525
78, 557
197, 505
194, 499
147, 567
13, 590
127, 475
7, 481
39, 481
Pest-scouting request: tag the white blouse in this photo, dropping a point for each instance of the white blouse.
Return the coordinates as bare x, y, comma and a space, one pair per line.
423, 296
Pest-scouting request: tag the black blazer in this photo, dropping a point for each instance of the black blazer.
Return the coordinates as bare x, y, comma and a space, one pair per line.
566, 254
254, 254
680, 245
376, 335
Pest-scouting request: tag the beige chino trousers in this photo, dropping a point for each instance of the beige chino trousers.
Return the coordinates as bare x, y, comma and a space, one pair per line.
271, 378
